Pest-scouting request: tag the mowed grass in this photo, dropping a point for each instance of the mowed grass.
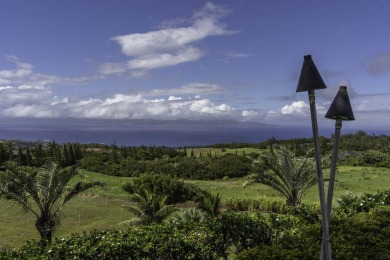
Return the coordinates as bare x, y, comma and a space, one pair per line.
102, 208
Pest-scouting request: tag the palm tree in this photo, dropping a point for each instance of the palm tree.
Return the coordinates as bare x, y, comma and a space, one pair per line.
43, 193
150, 208
289, 175
210, 204
190, 215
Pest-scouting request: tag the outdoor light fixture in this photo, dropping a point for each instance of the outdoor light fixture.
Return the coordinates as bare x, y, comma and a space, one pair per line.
339, 110
310, 80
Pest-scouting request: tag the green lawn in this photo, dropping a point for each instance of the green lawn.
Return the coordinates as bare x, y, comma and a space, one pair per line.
102, 209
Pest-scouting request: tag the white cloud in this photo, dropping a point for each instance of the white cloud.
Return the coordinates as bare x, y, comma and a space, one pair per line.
24, 74
169, 46
195, 88
29, 101
249, 113
297, 107
153, 61
24, 94
172, 98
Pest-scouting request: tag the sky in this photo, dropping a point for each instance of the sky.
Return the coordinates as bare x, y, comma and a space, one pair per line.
195, 60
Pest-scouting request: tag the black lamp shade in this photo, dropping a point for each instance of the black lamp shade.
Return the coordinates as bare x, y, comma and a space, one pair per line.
310, 78
340, 107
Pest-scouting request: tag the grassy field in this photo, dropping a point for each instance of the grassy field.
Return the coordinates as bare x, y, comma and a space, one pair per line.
222, 151
102, 209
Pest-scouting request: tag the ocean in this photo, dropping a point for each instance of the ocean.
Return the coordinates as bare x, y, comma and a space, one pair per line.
177, 134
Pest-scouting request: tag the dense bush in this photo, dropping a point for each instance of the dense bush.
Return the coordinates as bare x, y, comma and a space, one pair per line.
351, 205
374, 157
199, 168
229, 165
363, 236
163, 185
210, 239
95, 162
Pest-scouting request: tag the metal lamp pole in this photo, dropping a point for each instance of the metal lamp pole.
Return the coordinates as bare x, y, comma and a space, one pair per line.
310, 80
339, 110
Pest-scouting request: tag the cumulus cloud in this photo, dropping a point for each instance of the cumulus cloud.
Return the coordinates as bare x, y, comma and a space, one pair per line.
29, 101
297, 107
24, 94
380, 64
168, 46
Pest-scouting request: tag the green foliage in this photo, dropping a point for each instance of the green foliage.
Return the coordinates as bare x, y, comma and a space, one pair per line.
374, 157
351, 205
150, 208
129, 161
363, 236
262, 204
42, 193
192, 167
306, 214
163, 185
289, 175
209, 203
186, 240
229, 165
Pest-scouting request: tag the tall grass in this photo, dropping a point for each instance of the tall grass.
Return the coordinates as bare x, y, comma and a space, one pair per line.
263, 204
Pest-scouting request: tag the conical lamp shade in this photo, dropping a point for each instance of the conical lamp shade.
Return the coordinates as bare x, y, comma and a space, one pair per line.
310, 78
341, 107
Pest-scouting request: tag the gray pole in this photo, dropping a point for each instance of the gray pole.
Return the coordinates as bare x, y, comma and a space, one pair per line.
333, 166
317, 156
332, 176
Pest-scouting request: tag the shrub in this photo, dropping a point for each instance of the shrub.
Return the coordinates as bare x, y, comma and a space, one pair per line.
187, 240
261, 204
351, 205
230, 165
163, 185
374, 157
363, 236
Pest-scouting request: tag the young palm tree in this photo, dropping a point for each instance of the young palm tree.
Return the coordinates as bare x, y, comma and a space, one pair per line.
284, 172
210, 204
190, 215
43, 193
150, 208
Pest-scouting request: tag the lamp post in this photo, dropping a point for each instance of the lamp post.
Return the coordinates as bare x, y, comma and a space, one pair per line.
310, 80
339, 110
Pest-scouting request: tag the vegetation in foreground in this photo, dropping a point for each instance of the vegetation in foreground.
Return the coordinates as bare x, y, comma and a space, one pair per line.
279, 226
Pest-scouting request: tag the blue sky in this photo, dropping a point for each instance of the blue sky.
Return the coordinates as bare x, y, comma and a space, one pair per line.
196, 60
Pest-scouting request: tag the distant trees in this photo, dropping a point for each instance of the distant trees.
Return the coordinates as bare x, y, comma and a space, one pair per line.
43, 192
39, 154
200, 168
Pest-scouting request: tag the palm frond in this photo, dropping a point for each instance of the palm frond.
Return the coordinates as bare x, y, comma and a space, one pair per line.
79, 188
287, 174
132, 222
